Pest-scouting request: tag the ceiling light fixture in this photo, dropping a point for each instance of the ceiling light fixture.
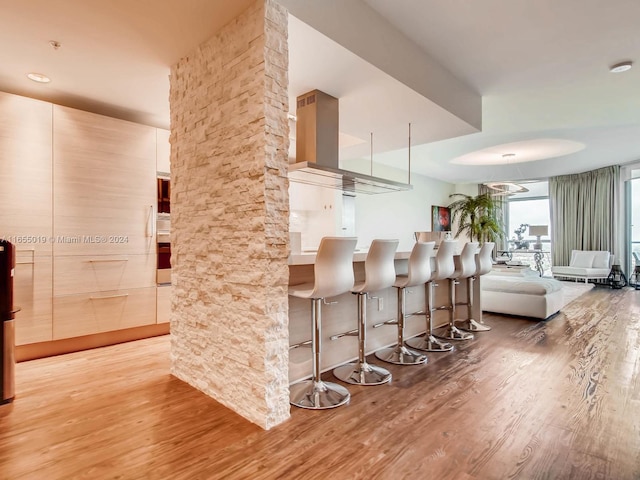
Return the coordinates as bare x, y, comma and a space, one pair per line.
38, 77
506, 188
621, 67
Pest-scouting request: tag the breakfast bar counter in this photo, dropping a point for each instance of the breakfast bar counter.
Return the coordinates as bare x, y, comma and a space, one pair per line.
309, 258
342, 316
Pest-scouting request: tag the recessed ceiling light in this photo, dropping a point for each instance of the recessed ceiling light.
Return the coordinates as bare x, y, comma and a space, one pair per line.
38, 77
620, 67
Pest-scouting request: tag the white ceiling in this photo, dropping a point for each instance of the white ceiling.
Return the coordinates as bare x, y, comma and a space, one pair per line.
541, 67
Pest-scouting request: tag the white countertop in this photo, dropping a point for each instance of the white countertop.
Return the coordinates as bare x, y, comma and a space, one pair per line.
309, 258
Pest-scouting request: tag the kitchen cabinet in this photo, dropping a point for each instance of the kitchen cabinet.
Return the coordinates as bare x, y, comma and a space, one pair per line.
97, 312
103, 184
97, 273
163, 155
163, 305
104, 179
26, 212
78, 196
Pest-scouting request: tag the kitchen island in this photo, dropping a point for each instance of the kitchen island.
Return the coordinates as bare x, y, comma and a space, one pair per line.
342, 316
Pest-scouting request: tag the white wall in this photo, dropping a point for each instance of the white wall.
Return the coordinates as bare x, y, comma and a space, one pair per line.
400, 214
317, 211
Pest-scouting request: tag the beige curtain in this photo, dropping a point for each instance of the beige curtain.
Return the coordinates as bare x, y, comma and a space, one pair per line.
583, 212
501, 243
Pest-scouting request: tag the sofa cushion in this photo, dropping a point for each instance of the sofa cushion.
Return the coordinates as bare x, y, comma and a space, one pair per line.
581, 259
524, 285
601, 260
581, 272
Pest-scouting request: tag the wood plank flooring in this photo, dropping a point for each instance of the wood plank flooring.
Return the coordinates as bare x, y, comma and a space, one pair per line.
558, 399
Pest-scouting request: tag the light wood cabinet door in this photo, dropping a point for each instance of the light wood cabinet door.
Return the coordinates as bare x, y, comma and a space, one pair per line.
163, 303
26, 213
32, 281
98, 273
98, 312
104, 194
26, 172
163, 155
104, 184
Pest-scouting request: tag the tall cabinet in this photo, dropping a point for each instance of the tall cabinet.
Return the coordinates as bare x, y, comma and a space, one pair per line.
78, 193
26, 209
104, 218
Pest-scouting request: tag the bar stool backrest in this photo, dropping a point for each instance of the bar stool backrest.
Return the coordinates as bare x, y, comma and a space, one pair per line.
379, 267
420, 264
444, 260
333, 269
484, 262
466, 266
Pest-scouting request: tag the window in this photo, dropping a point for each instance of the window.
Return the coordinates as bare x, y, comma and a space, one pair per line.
634, 207
529, 208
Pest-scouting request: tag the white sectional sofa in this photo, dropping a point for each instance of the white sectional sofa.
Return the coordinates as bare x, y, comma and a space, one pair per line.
586, 264
521, 293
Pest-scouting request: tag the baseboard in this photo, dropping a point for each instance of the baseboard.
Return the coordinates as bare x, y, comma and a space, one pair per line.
76, 344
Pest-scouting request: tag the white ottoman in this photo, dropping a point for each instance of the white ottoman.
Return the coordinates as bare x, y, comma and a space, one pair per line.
524, 295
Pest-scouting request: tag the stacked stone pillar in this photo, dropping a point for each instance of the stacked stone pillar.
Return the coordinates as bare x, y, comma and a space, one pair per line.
230, 214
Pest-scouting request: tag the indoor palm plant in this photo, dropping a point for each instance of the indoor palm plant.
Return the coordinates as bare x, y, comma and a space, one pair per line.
478, 217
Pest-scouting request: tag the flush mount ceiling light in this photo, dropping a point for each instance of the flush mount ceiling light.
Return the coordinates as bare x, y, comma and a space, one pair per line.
523, 152
621, 67
38, 77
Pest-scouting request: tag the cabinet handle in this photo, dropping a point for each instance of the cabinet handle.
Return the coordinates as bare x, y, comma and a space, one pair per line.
109, 296
150, 230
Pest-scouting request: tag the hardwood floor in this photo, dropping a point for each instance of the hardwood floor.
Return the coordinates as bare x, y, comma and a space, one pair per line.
558, 399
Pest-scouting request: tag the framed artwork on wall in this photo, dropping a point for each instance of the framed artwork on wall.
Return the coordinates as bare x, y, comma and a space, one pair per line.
440, 219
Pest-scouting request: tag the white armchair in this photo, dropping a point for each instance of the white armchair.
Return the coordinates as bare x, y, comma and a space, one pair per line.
586, 264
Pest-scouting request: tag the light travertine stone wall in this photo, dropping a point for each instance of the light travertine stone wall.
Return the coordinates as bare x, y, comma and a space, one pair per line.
230, 216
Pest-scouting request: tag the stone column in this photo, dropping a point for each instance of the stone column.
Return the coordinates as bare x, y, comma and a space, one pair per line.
230, 216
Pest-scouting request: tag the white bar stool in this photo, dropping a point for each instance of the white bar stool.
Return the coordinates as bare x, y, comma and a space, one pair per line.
484, 264
419, 273
465, 266
380, 273
444, 267
333, 275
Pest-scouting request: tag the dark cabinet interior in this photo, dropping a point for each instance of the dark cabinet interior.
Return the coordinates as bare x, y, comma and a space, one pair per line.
164, 195
164, 256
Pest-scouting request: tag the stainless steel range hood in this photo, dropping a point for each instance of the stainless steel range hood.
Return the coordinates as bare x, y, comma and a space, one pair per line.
317, 150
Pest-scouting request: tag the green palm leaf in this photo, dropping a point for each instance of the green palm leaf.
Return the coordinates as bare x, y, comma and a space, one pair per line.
478, 217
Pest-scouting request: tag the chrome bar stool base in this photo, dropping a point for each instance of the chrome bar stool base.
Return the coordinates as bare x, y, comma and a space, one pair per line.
471, 325
401, 355
317, 395
362, 374
429, 343
450, 332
